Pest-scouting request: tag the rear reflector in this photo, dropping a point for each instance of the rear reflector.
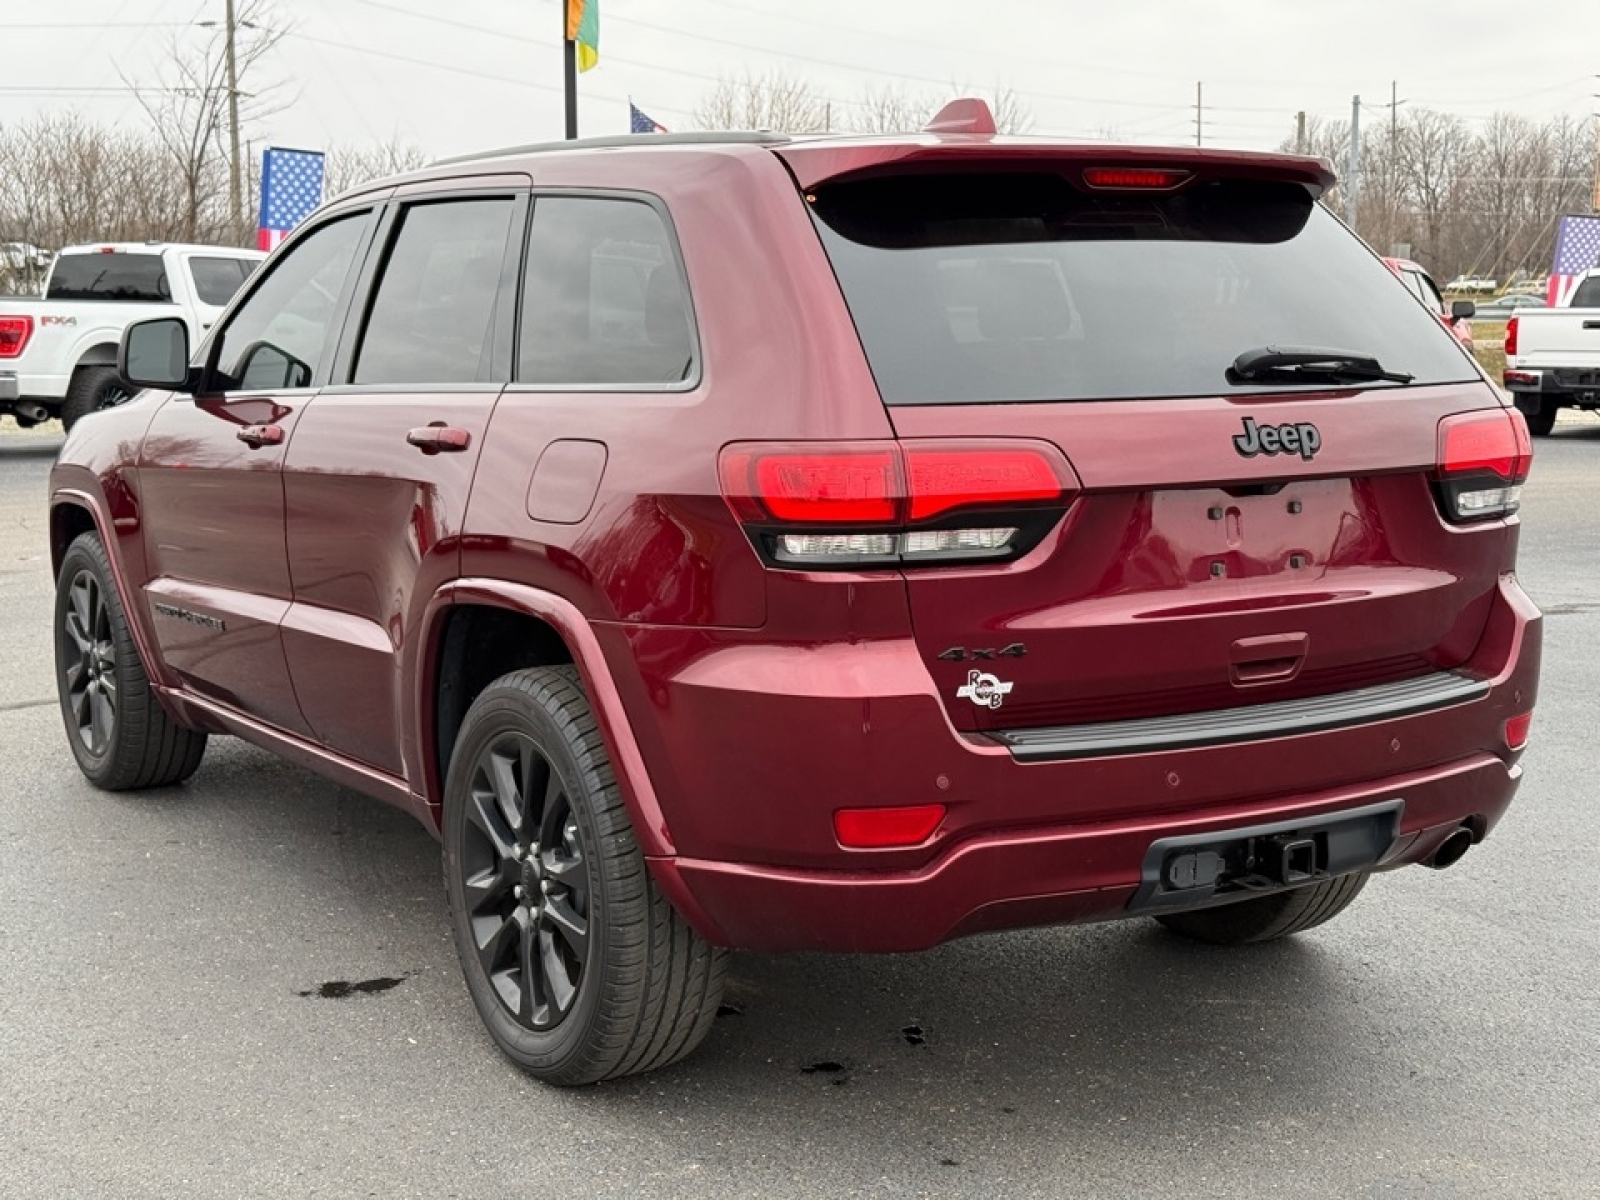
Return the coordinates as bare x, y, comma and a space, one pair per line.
1134, 178
881, 828
1483, 459
1517, 731
14, 335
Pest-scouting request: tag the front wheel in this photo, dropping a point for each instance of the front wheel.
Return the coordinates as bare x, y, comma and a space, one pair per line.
119, 733
576, 963
1267, 918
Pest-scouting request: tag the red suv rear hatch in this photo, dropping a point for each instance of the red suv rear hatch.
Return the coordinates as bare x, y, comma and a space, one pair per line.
1238, 527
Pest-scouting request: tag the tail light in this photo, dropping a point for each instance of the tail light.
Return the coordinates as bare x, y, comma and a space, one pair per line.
14, 335
865, 504
1511, 336
1484, 457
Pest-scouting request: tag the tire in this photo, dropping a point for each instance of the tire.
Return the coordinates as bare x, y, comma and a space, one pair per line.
1267, 918
91, 389
119, 733
578, 966
1542, 422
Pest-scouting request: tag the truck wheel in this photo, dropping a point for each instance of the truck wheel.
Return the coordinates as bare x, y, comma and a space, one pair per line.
122, 738
1267, 918
578, 966
91, 389
1542, 422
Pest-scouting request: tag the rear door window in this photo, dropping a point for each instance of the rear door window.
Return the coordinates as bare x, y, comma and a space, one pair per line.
605, 302
1023, 287
433, 312
139, 278
1587, 293
217, 279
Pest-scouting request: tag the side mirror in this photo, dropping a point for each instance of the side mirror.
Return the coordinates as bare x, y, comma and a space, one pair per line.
1461, 310
155, 354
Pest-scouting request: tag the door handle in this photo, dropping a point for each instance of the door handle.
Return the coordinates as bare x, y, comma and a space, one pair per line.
257, 436
439, 438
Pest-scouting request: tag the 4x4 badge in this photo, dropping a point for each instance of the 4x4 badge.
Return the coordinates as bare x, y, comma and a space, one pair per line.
984, 690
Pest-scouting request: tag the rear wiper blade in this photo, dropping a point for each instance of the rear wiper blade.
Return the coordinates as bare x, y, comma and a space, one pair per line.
1310, 363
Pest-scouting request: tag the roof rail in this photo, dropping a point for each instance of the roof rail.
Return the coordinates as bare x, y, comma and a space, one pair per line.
735, 138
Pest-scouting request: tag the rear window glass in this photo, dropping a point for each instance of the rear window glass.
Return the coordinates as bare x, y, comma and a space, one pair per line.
1587, 294
126, 277
1014, 287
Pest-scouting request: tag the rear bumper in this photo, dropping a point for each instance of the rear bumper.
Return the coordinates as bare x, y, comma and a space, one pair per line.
9, 389
751, 747
1040, 877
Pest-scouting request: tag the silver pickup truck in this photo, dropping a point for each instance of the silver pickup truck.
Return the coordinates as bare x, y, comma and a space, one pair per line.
1553, 356
58, 353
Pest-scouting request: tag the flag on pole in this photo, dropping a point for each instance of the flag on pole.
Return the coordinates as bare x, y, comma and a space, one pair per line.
291, 190
583, 27
1577, 251
639, 123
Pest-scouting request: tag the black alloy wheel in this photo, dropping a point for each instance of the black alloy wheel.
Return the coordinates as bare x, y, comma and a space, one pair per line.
88, 656
526, 881
576, 963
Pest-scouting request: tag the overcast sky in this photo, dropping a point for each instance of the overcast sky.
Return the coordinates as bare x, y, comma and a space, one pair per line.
469, 74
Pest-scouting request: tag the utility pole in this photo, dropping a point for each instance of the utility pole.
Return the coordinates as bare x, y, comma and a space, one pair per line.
1352, 191
1300, 133
1199, 113
235, 196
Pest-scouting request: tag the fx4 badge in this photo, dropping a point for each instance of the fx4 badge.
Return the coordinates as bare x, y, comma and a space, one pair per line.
1302, 439
984, 690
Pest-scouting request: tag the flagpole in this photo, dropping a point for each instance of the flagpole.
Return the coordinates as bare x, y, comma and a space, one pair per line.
569, 55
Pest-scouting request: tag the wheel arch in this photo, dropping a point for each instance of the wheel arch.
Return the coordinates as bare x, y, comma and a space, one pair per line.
100, 354
479, 629
74, 512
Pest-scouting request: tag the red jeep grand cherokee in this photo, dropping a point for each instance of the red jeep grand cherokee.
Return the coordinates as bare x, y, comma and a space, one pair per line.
728, 541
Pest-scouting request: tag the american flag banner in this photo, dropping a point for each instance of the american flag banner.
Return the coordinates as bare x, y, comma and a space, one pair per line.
639, 123
1577, 251
291, 190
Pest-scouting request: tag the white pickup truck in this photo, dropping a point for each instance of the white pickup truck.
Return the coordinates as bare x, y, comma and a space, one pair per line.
58, 353
1553, 356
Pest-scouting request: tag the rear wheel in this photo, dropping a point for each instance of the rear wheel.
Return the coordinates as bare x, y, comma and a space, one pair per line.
577, 964
1268, 917
119, 733
1542, 422
91, 389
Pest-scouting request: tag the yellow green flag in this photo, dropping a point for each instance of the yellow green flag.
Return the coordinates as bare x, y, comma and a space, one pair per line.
583, 27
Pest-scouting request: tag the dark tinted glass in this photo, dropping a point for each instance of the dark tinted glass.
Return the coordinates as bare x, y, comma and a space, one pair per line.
433, 315
125, 277
277, 337
605, 302
217, 279
1587, 293
1020, 287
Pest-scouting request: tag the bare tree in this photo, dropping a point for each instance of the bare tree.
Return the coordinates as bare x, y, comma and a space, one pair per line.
775, 101
348, 167
189, 111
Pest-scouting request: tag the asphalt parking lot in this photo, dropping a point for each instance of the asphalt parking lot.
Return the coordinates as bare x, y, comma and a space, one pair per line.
246, 986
